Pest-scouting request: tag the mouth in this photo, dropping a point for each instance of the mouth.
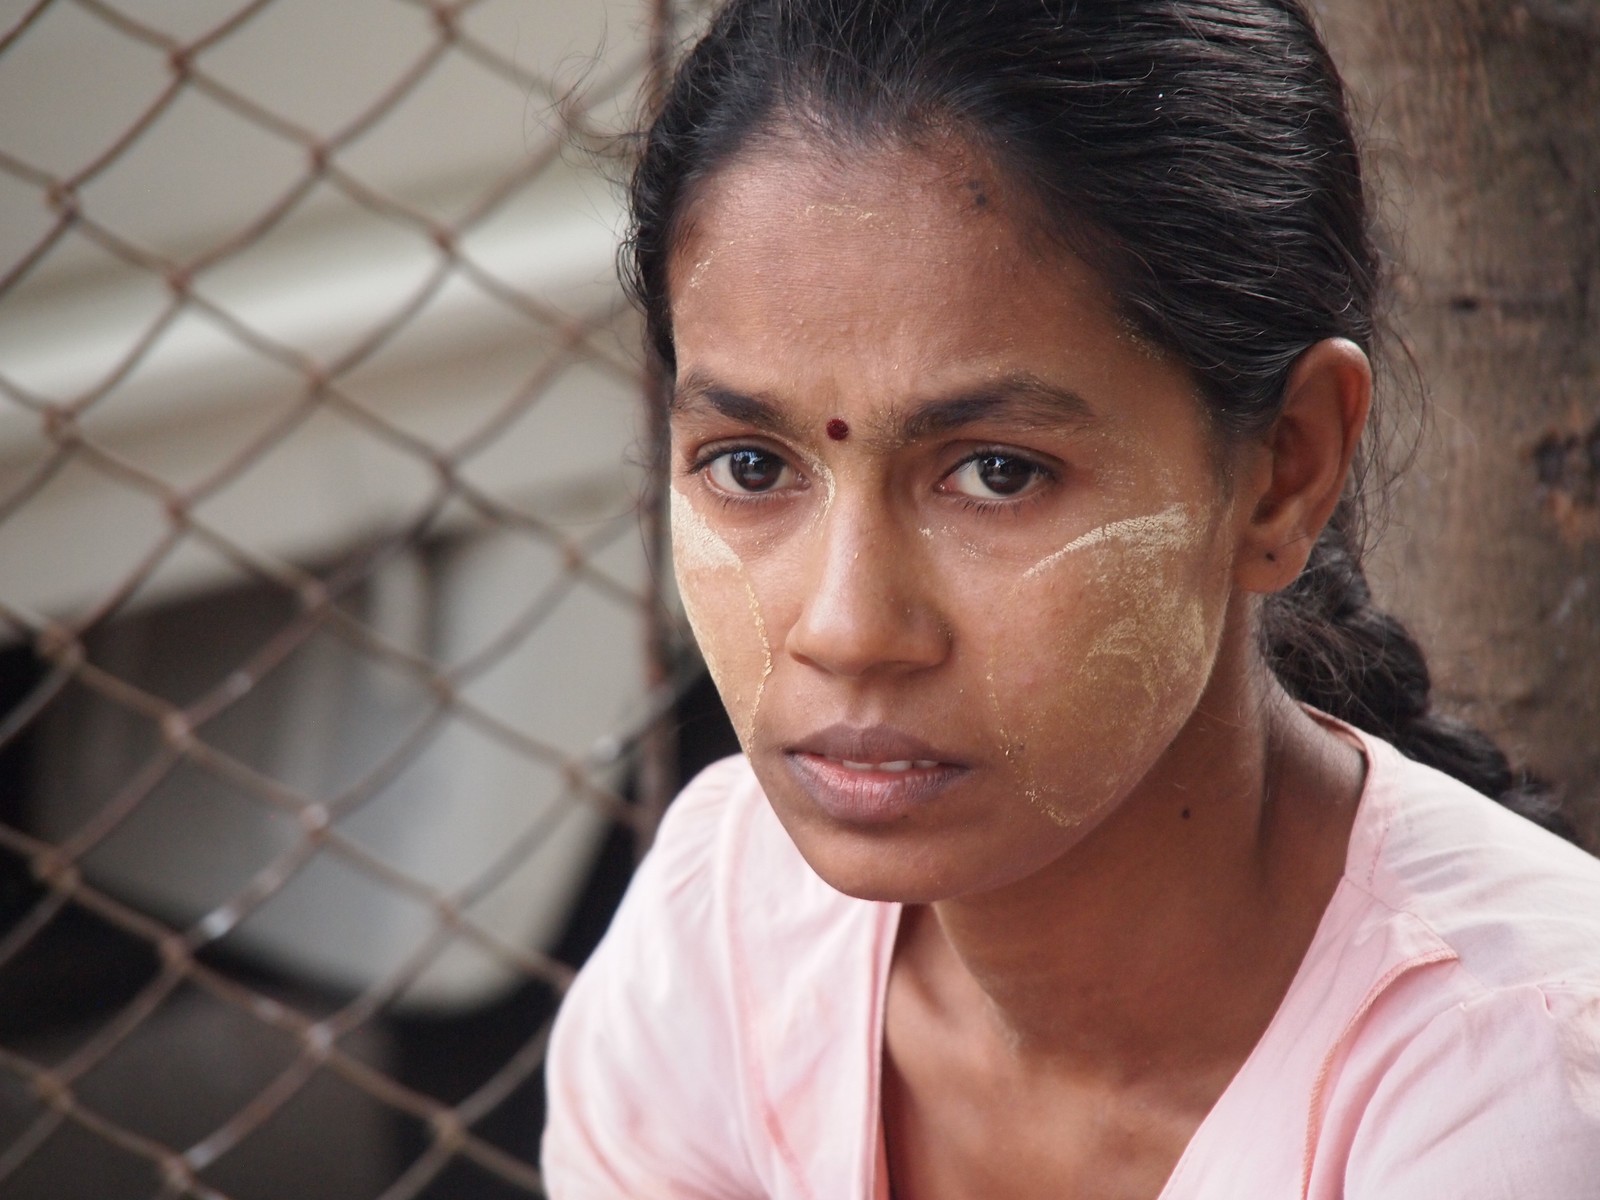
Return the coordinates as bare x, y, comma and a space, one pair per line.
898, 767
870, 774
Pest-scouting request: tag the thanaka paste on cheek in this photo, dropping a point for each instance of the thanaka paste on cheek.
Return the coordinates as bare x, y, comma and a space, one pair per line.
700, 558
1168, 529
1149, 653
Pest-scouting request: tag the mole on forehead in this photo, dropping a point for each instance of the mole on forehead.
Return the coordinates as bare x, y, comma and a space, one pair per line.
838, 429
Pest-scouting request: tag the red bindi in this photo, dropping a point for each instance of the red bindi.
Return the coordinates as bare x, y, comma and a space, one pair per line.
838, 430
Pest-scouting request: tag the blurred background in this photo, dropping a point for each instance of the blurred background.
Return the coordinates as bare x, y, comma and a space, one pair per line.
338, 693
339, 685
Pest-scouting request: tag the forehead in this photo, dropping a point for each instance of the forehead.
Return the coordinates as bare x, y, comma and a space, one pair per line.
881, 266
893, 197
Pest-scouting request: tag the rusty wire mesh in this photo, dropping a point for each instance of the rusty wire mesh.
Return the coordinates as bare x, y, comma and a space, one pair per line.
304, 425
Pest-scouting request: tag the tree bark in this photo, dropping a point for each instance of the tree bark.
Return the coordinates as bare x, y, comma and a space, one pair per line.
1483, 121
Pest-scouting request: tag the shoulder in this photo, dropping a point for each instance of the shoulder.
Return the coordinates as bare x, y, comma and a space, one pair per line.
674, 937
1495, 1096
1515, 904
643, 1055
699, 829
1477, 1075
722, 873
673, 1064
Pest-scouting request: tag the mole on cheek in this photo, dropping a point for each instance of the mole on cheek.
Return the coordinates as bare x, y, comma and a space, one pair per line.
838, 430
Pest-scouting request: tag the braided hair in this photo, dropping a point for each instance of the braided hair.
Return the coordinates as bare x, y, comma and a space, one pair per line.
1198, 153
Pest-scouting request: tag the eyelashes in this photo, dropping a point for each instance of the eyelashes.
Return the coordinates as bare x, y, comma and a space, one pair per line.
996, 478
987, 479
744, 474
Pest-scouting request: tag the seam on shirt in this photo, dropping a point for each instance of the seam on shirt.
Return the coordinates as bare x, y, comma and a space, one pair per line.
1317, 1111
1478, 985
1482, 987
743, 995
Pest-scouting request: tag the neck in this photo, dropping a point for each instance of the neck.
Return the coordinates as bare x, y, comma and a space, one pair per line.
1167, 938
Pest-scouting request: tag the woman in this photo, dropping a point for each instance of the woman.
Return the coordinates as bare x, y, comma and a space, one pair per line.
1021, 360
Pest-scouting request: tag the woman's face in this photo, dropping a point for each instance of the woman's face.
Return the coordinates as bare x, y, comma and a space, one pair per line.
953, 540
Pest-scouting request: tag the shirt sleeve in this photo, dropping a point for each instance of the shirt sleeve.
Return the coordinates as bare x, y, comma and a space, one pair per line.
642, 1072
1496, 1099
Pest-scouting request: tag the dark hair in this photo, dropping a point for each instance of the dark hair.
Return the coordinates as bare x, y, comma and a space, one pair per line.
1198, 153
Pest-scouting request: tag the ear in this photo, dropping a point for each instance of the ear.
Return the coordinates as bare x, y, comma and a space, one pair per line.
1301, 464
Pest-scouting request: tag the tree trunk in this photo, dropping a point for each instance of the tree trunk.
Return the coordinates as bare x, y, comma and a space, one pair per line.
1484, 127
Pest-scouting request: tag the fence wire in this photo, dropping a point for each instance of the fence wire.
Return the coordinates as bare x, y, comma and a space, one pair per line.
314, 529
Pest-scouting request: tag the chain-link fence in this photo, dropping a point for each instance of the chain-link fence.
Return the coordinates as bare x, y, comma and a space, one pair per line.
330, 656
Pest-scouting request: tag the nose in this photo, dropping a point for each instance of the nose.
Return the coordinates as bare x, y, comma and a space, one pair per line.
869, 604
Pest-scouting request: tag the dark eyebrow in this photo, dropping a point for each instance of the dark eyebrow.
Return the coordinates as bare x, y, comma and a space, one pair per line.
757, 410
1022, 401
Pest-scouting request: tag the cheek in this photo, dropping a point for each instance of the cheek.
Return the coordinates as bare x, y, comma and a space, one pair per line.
1106, 656
725, 614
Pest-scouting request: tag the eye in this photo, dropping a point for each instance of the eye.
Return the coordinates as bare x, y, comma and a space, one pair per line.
748, 471
994, 476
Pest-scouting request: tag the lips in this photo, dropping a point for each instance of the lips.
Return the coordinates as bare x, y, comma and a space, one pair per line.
870, 774
872, 745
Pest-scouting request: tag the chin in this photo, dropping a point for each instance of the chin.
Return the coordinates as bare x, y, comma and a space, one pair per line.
858, 876
903, 863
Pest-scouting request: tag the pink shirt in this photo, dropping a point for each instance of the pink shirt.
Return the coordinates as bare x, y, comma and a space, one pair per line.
1440, 1040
